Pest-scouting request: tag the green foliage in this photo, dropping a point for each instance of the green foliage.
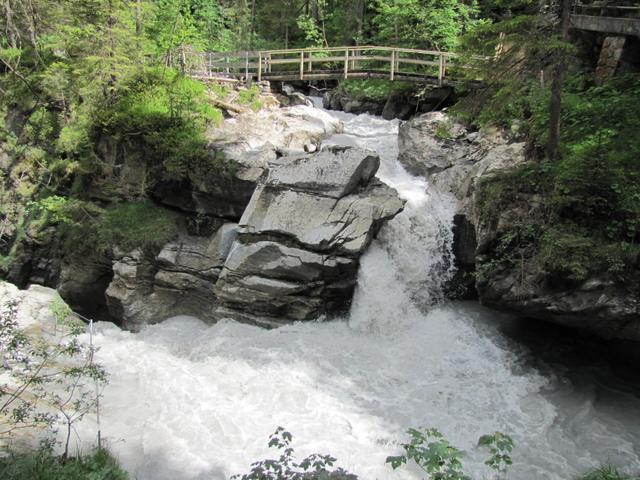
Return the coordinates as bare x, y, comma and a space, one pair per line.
500, 446
434, 24
49, 376
443, 130
606, 472
43, 465
508, 56
573, 253
250, 97
433, 454
313, 467
312, 34
130, 225
167, 113
373, 89
440, 460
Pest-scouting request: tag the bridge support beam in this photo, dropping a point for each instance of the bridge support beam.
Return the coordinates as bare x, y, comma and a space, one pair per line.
612, 49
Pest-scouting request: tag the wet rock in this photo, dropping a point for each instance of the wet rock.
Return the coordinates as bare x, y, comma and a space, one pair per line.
334, 172
301, 236
179, 280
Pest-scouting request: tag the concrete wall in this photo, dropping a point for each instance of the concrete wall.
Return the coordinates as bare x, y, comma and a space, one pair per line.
620, 26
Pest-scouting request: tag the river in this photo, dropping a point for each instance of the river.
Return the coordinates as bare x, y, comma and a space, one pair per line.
190, 401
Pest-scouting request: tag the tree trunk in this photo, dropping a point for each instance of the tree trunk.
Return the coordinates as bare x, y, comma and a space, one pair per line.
557, 78
138, 18
252, 30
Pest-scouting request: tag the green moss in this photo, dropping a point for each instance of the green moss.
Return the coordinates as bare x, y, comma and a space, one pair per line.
43, 465
166, 113
251, 98
605, 473
134, 225
373, 89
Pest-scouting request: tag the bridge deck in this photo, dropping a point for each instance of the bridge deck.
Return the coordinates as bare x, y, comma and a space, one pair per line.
607, 17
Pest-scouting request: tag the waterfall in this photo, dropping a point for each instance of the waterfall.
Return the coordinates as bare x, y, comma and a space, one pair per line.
405, 269
189, 401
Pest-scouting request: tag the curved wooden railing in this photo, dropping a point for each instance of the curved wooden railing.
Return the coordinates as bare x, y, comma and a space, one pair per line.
392, 63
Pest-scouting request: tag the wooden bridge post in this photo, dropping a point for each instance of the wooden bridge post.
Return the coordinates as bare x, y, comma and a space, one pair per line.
269, 63
259, 66
246, 66
310, 61
301, 64
346, 63
393, 63
440, 69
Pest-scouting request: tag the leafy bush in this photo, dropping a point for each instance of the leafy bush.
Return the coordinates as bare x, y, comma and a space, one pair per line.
134, 225
442, 461
49, 377
590, 214
605, 473
43, 465
313, 467
372, 89
168, 113
85, 226
250, 97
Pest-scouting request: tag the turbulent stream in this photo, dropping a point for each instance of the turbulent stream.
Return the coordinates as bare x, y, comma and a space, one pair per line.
189, 401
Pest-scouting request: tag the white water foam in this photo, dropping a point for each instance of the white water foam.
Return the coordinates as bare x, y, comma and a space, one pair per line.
187, 401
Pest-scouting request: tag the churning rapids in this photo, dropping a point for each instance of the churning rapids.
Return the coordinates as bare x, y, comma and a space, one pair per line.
190, 401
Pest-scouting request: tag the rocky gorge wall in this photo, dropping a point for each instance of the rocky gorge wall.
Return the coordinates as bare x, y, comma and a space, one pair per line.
457, 161
273, 236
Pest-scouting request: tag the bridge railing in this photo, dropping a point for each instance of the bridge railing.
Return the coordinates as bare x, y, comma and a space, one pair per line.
608, 9
317, 63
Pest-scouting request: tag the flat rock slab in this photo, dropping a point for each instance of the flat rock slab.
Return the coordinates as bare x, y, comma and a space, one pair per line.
320, 223
334, 172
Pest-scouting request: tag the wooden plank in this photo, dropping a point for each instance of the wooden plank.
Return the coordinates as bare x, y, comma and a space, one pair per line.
259, 66
413, 61
393, 64
301, 65
346, 63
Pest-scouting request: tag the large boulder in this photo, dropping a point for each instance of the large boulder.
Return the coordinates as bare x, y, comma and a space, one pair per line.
301, 236
178, 280
241, 150
455, 160
453, 157
598, 302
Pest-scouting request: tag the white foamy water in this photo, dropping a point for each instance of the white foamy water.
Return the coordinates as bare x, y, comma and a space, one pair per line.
188, 401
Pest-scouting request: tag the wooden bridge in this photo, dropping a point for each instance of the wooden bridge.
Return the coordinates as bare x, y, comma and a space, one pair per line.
402, 64
613, 17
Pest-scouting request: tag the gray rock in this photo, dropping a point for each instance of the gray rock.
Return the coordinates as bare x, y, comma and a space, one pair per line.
426, 144
454, 164
179, 280
334, 172
268, 278
320, 223
301, 236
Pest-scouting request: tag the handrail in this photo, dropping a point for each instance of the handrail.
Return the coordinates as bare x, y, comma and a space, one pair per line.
255, 53
419, 64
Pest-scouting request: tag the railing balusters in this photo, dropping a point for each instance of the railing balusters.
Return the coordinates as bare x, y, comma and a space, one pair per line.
393, 63
346, 63
359, 62
301, 64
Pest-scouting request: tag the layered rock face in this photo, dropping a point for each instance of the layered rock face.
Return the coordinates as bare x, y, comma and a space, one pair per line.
300, 238
293, 255
455, 160
177, 281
